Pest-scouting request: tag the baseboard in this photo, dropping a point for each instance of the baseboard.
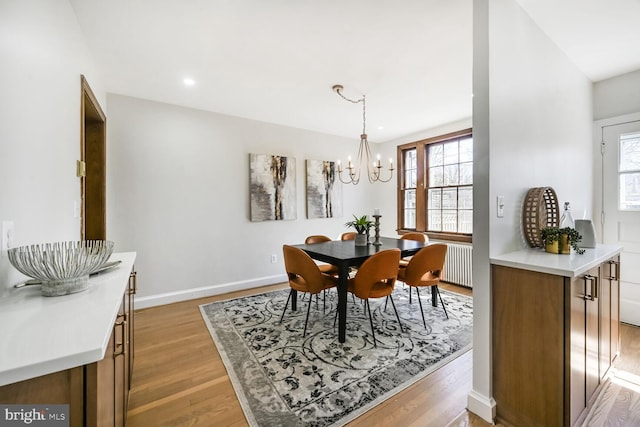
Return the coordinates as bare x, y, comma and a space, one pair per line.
482, 406
630, 312
206, 291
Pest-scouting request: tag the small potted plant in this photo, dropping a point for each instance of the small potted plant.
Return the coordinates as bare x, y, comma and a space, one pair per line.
362, 225
561, 240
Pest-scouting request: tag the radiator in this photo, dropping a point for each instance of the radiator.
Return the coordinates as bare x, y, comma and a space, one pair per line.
457, 266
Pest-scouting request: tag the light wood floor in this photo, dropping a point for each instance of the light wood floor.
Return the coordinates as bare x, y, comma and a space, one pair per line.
179, 378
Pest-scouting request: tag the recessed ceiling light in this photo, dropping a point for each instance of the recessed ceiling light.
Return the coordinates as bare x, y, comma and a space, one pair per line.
380, 127
189, 82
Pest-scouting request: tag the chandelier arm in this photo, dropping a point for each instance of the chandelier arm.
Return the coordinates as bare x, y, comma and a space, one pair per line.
351, 179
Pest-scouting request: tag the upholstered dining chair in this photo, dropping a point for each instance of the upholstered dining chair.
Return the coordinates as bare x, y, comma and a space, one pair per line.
349, 235
304, 276
375, 279
325, 268
425, 269
413, 235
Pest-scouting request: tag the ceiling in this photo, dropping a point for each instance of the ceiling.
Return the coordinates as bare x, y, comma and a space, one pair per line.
276, 61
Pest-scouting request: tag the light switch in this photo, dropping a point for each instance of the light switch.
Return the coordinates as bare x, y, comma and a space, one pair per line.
500, 206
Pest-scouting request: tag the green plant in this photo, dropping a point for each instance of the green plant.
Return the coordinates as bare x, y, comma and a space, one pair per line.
553, 234
574, 238
361, 224
550, 234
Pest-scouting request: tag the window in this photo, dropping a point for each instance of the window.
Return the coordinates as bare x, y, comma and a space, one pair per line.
629, 172
436, 186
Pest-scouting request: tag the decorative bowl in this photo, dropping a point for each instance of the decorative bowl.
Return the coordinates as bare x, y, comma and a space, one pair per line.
63, 267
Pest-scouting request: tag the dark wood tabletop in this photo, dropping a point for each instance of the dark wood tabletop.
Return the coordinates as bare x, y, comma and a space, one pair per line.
345, 254
339, 251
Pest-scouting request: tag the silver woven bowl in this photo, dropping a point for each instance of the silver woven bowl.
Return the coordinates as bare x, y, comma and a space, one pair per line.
63, 267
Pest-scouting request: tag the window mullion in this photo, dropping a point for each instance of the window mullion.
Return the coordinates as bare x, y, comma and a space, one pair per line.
421, 189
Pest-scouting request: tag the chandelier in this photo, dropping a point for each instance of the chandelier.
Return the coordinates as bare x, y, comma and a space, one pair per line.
364, 151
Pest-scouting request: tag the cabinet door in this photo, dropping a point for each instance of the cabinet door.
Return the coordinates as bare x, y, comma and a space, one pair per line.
605, 301
583, 360
120, 365
577, 350
100, 396
133, 288
592, 305
613, 270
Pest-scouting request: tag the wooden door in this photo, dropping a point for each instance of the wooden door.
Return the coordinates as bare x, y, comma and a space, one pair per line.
93, 222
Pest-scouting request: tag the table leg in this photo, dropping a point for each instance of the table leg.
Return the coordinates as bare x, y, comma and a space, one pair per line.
342, 302
294, 300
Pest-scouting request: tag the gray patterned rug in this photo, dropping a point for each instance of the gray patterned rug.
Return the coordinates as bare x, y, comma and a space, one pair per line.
282, 379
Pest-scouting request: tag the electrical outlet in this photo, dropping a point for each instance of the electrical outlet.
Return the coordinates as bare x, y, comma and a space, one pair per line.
7, 235
274, 258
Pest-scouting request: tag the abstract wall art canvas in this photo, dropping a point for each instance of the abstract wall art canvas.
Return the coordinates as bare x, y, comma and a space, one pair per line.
273, 187
324, 190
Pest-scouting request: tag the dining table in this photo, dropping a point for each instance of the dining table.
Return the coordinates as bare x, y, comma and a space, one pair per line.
345, 254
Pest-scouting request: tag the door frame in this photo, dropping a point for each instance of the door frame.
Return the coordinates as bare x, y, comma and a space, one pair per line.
629, 292
93, 144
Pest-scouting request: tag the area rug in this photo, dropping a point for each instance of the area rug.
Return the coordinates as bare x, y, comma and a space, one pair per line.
283, 379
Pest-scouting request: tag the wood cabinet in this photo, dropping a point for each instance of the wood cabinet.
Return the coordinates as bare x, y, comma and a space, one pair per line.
554, 340
97, 393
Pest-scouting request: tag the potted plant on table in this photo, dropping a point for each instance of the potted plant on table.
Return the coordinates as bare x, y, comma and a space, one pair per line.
561, 240
362, 225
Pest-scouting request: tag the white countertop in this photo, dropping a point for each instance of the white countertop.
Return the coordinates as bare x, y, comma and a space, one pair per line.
571, 265
41, 335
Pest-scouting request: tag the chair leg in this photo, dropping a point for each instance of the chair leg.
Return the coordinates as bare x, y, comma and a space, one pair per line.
386, 300
285, 305
442, 302
307, 319
324, 301
421, 311
394, 309
371, 322
410, 294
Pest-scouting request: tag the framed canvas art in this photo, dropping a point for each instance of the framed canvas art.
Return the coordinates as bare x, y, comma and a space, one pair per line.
273, 187
324, 190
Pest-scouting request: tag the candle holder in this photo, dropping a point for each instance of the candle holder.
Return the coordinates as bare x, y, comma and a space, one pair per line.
376, 227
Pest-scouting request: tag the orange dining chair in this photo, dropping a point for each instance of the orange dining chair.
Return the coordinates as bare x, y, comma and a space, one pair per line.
375, 279
418, 237
349, 235
304, 276
425, 269
325, 268
413, 235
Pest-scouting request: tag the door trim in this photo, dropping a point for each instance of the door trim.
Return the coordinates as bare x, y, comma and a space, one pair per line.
93, 142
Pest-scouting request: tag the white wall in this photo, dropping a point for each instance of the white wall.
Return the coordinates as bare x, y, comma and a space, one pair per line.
539, 114
617, 96
43, 55
615, 100
178, 195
